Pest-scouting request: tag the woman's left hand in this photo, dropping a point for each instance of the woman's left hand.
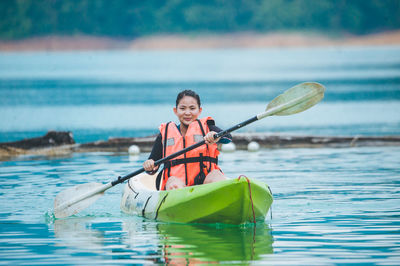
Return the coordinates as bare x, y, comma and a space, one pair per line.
209, 138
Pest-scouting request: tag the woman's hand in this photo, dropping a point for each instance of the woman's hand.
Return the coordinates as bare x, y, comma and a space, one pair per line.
149, 166
209, 138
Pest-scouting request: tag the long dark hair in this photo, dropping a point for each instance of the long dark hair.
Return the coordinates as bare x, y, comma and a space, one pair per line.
188, 93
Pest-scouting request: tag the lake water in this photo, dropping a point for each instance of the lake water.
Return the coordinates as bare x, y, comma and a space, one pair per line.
101, 94
332, 206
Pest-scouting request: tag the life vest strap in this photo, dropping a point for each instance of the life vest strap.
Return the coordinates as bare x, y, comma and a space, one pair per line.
190, 160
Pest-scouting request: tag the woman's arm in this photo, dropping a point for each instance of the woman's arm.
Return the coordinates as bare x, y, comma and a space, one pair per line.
224, 140
155, 155
156, 152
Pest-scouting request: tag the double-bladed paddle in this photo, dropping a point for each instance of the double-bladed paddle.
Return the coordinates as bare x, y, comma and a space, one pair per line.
294, 100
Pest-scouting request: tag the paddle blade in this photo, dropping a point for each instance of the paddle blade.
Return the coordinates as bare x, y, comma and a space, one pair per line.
75, 199
297, 99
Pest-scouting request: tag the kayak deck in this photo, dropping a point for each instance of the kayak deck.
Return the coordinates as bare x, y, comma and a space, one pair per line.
233, 201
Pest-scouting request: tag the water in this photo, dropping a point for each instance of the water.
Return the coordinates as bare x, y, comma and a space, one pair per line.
332, 206
97, 95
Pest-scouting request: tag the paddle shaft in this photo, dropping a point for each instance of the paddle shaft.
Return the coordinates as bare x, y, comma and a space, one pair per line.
176, 154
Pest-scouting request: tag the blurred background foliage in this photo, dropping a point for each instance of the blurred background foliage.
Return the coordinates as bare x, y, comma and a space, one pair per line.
135, 18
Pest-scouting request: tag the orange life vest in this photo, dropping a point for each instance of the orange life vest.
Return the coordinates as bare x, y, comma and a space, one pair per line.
193, 166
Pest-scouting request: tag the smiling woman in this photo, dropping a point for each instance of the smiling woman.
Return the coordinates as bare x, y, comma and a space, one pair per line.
198, 166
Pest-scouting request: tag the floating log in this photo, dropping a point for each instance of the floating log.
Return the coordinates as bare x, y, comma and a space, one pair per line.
286, 141
52, 138
61, 143
241, 141
118, 144
53, 143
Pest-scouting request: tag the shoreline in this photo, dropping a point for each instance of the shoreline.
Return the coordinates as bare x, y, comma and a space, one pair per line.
61, 143
243, 40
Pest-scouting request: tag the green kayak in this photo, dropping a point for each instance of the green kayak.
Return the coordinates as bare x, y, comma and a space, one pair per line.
234, 201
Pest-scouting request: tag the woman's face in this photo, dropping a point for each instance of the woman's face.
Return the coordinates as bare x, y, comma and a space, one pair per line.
187, 110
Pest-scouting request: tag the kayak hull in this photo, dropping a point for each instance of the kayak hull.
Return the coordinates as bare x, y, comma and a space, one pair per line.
233, 201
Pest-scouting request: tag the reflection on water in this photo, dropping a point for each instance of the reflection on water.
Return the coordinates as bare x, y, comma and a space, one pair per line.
77, 233
213, 244
141, 240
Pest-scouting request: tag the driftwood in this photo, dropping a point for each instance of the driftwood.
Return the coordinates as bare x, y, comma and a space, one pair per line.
53, 143
52, 138
241, 141
118, 144
61, 143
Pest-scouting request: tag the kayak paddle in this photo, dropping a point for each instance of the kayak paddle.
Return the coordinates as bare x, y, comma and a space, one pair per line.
294, 100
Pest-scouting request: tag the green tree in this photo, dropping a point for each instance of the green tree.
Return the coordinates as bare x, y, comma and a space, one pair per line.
132, 18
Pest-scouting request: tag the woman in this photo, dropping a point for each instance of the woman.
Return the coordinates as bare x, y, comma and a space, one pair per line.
198, 166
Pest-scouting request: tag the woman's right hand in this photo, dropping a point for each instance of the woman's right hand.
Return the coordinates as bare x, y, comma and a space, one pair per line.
149, 166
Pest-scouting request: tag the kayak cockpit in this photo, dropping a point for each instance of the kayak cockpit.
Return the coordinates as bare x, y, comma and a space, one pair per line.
148, 181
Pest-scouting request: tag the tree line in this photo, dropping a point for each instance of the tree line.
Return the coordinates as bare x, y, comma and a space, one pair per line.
134, 18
